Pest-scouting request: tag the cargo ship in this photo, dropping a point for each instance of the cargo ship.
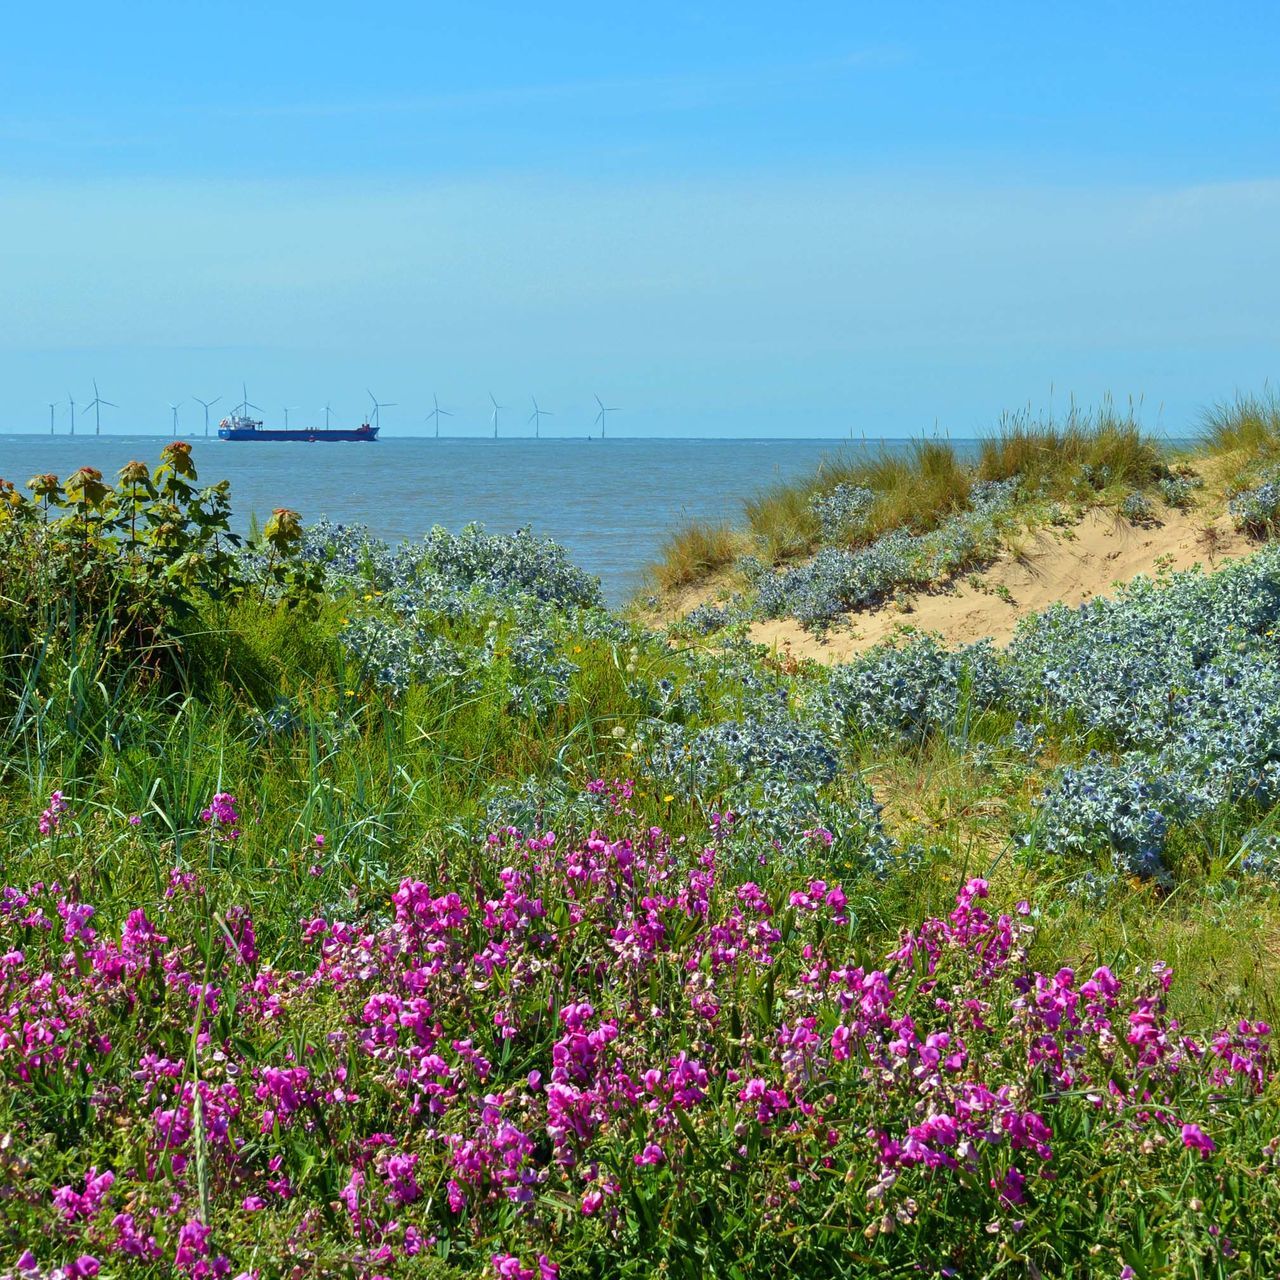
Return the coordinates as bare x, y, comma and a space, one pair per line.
238, 427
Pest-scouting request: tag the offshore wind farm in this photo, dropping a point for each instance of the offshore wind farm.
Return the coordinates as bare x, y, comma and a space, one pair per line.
138, 416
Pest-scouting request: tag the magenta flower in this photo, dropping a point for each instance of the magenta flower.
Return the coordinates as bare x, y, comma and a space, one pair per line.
507, 1267
222, 817
51, 818
1195, 1139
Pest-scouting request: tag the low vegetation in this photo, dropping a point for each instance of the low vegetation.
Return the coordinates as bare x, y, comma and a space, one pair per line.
862, 529
375, 911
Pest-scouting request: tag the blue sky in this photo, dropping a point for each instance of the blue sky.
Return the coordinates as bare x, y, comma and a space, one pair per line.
739, 219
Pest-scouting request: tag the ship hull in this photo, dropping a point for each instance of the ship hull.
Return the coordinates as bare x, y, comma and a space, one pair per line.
304, 437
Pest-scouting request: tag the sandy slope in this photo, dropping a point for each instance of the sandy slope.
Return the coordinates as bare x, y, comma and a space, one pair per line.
1070, 565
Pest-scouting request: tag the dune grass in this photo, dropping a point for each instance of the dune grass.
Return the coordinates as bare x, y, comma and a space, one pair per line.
1083, 453
1248, 424
695, 552
1087, 458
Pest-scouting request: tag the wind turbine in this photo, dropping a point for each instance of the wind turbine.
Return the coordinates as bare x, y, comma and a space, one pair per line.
379, 404
96, 405
208, 404
327, 412
537, 416
245, 404
601, 416
72, 403
286, 414
51, 408
173, 408
494, 418
437, 413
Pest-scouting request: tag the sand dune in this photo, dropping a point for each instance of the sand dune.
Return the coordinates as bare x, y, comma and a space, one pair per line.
1071, 565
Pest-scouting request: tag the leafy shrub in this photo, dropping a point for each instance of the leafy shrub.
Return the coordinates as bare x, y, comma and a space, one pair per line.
1177, 489
1121, 810
1257, 509
842, 509
907, 690
1138, 508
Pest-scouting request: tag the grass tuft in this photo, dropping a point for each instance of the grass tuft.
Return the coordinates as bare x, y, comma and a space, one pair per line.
1085, 452
1249, 425
695, 552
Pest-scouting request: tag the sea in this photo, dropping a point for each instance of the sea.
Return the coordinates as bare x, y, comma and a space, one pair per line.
611, 503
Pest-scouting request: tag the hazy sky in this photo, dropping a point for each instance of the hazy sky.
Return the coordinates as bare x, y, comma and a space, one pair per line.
737, 219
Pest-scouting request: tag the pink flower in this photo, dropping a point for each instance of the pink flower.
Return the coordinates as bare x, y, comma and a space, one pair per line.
51, 818
222, 817
508, 1267
591, 1202
652, 1154
1195, 1138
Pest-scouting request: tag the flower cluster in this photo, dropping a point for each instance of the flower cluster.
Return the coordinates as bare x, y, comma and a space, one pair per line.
51, 818
222, 817
492, 1047
841, 510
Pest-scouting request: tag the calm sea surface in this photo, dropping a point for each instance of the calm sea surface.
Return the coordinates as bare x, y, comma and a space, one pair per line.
611, 502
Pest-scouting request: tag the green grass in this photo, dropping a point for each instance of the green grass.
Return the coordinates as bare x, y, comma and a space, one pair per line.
1248, 425
1075, 458
695, 552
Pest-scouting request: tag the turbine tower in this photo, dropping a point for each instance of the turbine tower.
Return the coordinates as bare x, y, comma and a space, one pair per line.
537, 416
51, 408
379, 404
242, 409
437, 413
173, 408
72, 403
96, 405
286, 414
327, 412
494, 417
602, 415
208, 404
